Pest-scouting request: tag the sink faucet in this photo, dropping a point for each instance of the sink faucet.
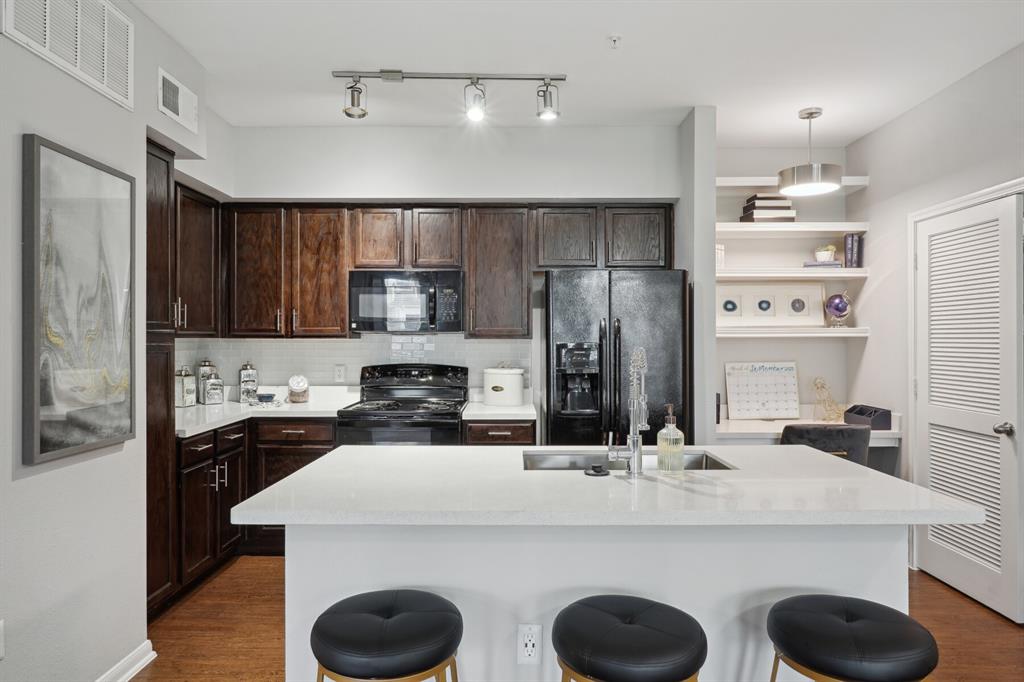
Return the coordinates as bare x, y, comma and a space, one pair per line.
633, 451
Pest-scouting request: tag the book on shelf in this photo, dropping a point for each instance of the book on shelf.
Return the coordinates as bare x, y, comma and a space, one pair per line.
768, 216
767, 203
853, 246
822, 264
767, 196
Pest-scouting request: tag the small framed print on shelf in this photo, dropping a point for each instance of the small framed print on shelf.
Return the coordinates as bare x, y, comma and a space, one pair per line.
770, 305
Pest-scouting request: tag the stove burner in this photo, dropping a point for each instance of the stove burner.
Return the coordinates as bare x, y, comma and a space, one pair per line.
370, 405
407, 406
436, 406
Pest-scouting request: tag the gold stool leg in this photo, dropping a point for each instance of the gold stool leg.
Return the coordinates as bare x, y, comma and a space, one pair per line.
319, 673
775, 666
454, 670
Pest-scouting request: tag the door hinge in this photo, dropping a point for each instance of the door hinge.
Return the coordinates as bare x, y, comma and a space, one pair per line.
915, 387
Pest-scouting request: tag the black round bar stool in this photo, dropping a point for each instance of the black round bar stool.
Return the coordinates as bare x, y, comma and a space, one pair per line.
830, 639
616, 638
392, 635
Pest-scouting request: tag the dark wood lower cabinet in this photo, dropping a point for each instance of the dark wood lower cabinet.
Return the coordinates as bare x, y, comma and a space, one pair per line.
231, 469
198, 519
162, 557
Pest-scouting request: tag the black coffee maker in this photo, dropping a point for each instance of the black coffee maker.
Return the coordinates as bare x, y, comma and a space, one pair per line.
578, 378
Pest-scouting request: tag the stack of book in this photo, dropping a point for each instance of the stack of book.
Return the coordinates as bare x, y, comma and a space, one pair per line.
823, 264
853, 247
768, 208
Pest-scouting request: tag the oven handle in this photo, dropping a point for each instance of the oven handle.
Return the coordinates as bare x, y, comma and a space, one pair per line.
401, 423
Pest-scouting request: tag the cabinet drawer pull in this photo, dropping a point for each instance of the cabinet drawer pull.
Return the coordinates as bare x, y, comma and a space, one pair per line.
200, 448
234, 436
499, 433
298, 431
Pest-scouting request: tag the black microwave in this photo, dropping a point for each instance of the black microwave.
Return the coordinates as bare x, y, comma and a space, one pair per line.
403, 302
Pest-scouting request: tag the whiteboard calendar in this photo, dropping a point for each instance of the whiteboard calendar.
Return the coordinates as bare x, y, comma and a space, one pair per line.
762, 390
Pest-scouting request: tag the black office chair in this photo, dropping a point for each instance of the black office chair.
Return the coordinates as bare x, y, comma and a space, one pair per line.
846, 440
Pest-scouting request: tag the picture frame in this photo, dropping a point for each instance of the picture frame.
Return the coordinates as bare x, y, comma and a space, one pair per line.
770, 305
78, 300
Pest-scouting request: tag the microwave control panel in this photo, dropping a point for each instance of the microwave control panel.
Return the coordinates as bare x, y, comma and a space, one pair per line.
449, 307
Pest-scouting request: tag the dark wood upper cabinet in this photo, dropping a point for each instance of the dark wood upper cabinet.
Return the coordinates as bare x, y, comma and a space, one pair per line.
160, 270
636, 237
497, 273
319, 278
436, 238
198, 263
198, 519
256, 270
377, 237
162, 578
566, 237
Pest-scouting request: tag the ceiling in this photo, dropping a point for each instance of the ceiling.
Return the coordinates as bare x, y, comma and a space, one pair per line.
864, 61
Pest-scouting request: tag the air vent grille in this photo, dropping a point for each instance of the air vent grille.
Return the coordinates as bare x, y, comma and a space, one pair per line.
169, 97
966, 465
89, 39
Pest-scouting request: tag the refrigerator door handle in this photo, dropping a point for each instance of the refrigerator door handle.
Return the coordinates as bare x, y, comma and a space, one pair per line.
614, 382
602, 350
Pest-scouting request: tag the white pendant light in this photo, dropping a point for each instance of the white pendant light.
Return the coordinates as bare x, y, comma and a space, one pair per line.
475, 100
355, 99
547, 102
810, 179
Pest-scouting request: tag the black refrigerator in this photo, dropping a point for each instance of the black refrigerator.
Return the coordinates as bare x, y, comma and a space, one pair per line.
595, 319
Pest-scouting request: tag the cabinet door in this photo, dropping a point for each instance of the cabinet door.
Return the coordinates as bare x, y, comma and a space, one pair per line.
198, 519
231, 491
198, 258
636, 237
566, 237
256, 277
162, 579
436, 237
319, 276
377, 237
160, 291
273, 463
497, 273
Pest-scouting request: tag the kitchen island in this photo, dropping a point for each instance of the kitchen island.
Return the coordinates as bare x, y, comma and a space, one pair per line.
510, 545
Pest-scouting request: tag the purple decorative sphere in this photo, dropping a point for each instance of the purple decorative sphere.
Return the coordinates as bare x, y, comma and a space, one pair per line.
838, 306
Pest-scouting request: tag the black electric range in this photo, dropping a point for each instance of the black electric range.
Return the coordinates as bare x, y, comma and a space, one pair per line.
406, 404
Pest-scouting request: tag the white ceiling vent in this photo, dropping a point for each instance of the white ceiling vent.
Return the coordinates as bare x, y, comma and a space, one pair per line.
90, 39
177, 102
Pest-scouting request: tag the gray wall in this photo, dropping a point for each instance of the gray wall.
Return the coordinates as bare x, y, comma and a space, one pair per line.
72, 532
968, 137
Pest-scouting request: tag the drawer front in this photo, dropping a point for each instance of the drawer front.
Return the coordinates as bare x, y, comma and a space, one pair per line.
499, 433
231, 437
304, 431
196, 449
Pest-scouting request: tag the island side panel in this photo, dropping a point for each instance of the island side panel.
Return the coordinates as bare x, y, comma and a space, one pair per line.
725, 576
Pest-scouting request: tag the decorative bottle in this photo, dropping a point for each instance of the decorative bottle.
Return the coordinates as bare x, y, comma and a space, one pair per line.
670, 443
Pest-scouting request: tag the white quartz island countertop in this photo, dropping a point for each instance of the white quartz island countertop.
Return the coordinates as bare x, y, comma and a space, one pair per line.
487, 486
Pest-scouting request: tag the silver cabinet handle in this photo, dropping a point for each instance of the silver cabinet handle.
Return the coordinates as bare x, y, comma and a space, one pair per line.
234, 436
295, 319
200, 448
177, 312
1004, 429
184, 316
299, 431
277, 320
499, 433
224, 482
216, 481
174, 312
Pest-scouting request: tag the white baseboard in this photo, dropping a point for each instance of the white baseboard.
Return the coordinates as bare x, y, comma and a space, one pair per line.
129, 666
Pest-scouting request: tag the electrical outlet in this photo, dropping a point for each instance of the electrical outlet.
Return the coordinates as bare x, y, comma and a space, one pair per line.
339, 374
528, 645
1, 640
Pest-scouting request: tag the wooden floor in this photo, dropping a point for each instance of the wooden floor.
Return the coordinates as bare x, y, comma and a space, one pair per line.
232, 628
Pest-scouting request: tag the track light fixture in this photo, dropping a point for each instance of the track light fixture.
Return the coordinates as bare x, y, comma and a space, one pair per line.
547, 101
474, 94
476, 100
355, 99
810, 179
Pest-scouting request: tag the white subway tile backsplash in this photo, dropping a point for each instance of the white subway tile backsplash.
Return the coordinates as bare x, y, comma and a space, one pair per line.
278, 359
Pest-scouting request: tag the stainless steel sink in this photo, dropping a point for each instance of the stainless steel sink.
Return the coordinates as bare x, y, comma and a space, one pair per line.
565, 460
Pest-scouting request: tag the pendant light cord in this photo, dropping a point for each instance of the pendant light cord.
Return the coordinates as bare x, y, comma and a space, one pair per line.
809, 120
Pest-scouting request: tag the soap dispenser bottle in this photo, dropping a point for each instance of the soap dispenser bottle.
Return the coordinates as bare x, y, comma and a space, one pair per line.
670, 443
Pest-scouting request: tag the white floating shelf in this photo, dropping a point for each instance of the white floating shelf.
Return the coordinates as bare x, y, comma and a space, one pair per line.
823, 230
803, 274
749, 184
792, 332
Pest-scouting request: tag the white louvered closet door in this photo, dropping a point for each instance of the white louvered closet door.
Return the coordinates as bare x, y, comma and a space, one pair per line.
968, 336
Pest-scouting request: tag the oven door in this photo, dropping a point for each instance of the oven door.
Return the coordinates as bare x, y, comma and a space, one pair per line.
392, 302
390, 431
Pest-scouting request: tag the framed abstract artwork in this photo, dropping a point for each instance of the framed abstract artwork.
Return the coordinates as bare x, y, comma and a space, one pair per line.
78, 336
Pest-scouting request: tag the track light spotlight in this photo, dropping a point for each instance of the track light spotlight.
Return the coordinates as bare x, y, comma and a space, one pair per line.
476, 100
547, 101
355, 99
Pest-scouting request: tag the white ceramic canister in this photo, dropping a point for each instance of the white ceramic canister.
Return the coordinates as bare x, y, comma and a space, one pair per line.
503, 386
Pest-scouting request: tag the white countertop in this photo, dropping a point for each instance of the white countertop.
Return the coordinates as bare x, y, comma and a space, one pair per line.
324, 401
486, 486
